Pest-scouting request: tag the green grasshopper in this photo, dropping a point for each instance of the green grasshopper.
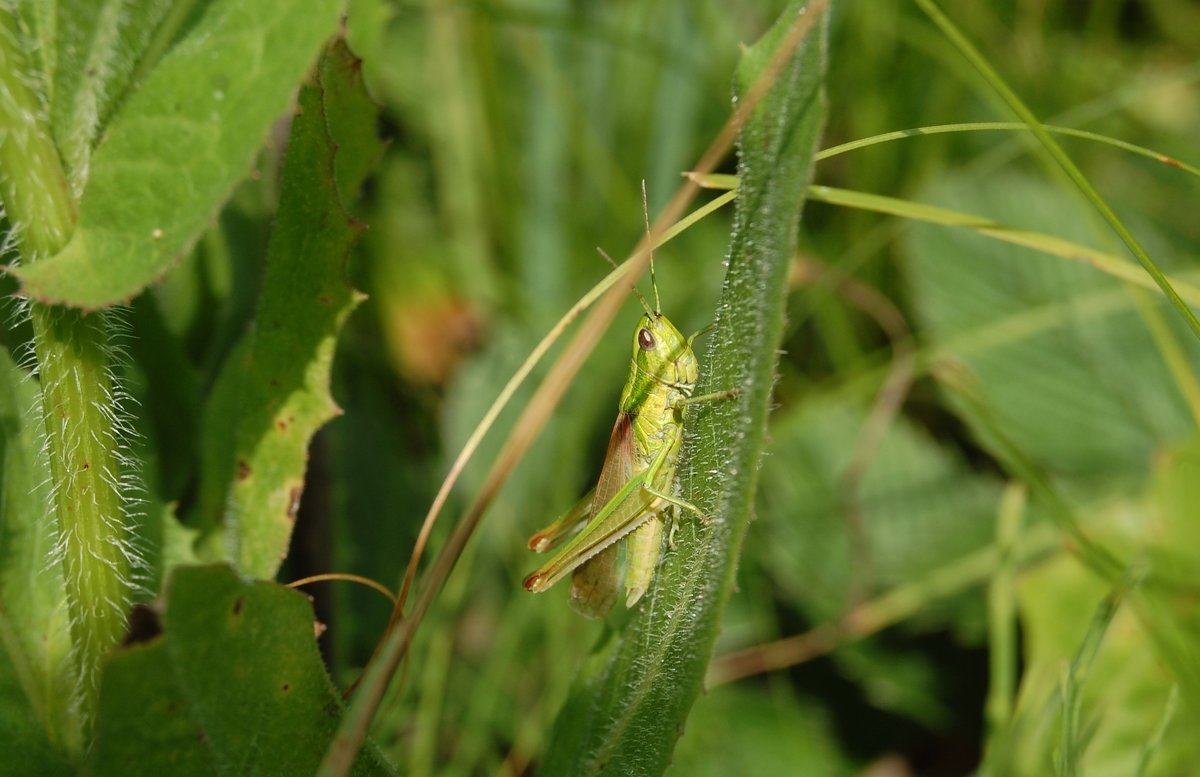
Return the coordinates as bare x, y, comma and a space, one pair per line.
622, 517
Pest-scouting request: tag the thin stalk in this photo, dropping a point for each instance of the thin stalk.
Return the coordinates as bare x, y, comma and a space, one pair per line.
1002, 619
1107, 263
1006, 126
888, 609
1156, 739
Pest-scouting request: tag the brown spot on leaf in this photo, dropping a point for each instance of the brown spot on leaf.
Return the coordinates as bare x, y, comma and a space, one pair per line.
281, 424
294, 501
286, 687
238, 604
243, 470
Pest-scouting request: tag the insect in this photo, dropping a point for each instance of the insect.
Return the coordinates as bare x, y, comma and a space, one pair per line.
619, 523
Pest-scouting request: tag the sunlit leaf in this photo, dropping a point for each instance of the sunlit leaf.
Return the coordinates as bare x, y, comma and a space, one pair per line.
174, 150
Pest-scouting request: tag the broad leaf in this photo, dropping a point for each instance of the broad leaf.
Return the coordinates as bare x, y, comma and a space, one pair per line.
176, 147
754, 731
1089, 397
234, 684
99, 46
918, 504
274, 391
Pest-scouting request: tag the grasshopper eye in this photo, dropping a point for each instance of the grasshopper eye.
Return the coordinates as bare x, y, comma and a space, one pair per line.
646, 340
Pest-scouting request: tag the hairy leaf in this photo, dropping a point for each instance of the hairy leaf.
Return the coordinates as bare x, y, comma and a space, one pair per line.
176, 147
99, 46
633, 697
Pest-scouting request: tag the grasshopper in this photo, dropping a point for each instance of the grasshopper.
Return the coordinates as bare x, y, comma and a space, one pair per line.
622, 517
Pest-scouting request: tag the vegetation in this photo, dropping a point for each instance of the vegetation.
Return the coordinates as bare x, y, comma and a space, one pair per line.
273, 262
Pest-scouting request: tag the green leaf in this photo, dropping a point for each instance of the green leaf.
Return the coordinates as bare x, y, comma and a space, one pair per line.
37, 678
99, 46
919, 506
1120, 700
233, 685
176, 147
273, 393
749, 731
921, 512
27, 750
1089, 399
1167, 601
633, 697
1055, 152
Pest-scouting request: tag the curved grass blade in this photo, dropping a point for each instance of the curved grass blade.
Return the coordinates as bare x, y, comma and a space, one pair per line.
1006, 126
917, 211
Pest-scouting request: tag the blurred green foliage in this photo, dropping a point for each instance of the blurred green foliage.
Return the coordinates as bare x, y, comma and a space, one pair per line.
524, 110
916, 359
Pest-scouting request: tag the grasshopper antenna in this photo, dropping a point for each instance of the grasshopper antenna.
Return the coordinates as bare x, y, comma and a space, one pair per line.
641, 299
650, 247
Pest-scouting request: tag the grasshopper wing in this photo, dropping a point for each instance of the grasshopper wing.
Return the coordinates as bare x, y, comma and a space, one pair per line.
595, 582
619, 505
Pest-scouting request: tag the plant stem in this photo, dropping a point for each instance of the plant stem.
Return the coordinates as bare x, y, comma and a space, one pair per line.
73, 364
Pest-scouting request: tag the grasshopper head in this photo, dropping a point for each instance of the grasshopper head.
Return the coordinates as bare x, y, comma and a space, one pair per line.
662, 353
